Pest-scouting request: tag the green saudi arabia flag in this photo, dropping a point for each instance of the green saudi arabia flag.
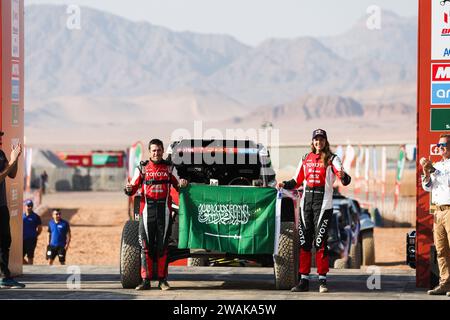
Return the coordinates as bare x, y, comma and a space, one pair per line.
238, 220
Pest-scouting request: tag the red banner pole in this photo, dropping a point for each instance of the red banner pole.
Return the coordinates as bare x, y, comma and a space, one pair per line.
433, 49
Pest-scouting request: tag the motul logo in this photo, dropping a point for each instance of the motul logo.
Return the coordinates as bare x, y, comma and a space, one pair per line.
441, 72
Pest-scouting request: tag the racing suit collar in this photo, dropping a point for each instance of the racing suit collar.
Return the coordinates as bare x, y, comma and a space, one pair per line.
157, 162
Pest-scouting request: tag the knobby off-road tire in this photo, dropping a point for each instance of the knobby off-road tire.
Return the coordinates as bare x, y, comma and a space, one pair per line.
286, 259
130, 252
356, 256
368, 248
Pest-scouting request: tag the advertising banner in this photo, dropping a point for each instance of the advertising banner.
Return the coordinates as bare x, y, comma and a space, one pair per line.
12, 116
433, 118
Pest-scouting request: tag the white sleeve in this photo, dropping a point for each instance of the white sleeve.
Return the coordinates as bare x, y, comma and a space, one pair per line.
337, 163
427, 186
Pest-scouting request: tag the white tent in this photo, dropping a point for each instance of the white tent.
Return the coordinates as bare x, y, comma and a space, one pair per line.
46, 159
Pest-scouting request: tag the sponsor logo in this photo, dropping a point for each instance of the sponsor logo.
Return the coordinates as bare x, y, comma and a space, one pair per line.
440, 86
158, 188
440, 72
15, 29
15, 115
301, 236
434, 150
15, 89
227, 214
15, 13
322, 231
14, 194
446, 52
157, 174
445, 32
311, 164
440, 24
15, 69
440, 93
319, 132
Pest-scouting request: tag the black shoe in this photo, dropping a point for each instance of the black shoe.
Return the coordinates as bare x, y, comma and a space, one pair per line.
164, 285
145, 285
323, 286
302, 286
11, 283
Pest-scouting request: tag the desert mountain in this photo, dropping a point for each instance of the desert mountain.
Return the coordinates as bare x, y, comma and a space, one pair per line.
113, 56
119, 80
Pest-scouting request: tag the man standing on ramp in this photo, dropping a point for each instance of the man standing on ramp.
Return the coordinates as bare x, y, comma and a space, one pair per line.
154, 178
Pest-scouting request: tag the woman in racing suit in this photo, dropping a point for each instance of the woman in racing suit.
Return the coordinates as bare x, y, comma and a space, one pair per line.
316, 172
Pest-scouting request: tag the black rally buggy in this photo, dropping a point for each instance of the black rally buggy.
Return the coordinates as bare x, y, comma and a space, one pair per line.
221, 162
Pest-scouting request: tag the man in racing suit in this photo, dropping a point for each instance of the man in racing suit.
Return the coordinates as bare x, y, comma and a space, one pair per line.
154, 178
316, 172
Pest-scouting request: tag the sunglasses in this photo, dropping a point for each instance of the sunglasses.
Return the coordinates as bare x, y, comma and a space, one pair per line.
442, 145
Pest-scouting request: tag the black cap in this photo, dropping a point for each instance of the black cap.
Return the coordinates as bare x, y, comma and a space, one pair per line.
319, 132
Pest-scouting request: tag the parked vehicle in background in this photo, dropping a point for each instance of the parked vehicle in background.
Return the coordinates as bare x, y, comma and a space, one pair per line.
350, 239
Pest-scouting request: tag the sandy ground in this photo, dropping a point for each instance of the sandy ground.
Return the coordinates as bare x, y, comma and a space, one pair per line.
96, 221
97, 218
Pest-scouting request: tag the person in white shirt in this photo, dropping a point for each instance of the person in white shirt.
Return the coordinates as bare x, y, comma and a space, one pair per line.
436, 179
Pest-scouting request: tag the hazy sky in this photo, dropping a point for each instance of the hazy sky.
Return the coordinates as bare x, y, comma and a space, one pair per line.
250, 21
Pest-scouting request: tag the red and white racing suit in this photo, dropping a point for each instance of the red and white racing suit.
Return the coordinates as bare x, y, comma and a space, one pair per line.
316, 207
154, 180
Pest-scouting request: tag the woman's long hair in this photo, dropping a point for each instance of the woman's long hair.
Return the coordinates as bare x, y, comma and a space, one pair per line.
325, 154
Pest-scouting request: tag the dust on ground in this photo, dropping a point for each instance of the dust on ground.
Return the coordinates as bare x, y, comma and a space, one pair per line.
97, 219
